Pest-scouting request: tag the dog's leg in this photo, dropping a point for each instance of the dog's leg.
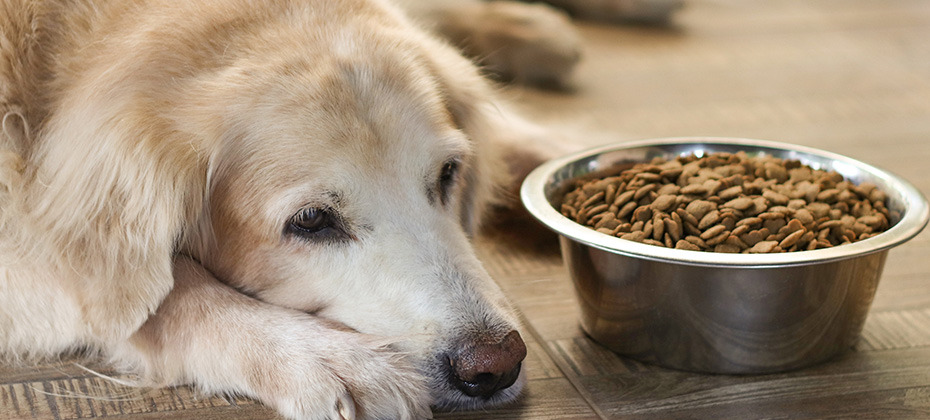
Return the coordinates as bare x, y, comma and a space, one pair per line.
208, 334
528, 43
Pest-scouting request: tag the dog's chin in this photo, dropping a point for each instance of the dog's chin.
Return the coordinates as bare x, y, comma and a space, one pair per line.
447, 398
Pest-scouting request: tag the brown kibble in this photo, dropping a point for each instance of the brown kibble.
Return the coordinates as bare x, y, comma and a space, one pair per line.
626, 210
664, 202
712, 232
607, 222
649, 177
876, 195
861, 228
694, 189
569, 211
819, 209
729, 221
830, 224
610, 194
759, 205
624, 198
593, 199
727, 248
696, 241
712, 186
709, 220
755, 236
644, 190
848, 235
763, 247
669, 243
653, 242
799, 174
791, 239
642, 214
686, 217
796, 204
596, 210
739, 230
658, 228
741, 203
730, 202
774, 225
673, 229
872, 221
823, 234
634, 236
776, 172
794, 225
775, 198
771, 215
731, 193
692, 229
671, 173
805, 216
669, 189
736, 241
749, 221
606, 231
699, 208
781, 209
719, 239
625, 228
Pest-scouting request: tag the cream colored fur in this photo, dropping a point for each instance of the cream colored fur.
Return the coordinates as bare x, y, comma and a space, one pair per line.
153, 154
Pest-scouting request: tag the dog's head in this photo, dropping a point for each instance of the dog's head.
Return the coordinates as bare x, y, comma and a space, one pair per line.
344, 177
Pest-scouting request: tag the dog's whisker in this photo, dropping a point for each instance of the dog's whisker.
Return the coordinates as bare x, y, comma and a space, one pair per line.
115, 380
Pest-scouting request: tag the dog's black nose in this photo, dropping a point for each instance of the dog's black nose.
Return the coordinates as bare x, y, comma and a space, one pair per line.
481, 369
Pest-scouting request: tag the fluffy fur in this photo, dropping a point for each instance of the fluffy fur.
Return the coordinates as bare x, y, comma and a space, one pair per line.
156, 158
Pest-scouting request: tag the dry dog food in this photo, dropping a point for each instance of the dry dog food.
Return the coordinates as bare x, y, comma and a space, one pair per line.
729, 202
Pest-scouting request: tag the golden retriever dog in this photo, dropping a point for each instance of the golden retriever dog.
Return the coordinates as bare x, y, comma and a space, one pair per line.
265, 198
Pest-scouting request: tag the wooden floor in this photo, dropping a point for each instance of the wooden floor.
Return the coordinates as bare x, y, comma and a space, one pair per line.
849, 76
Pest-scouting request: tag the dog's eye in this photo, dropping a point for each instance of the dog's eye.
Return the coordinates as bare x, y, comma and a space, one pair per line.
312, 222
448, 172
447, 177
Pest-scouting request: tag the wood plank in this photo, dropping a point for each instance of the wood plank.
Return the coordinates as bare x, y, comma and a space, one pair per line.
895, 330
859, 383
547, 399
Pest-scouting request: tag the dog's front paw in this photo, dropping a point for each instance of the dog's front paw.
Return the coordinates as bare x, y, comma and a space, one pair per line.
342, 376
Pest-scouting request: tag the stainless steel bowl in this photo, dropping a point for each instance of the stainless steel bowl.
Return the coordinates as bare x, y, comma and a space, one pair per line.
716, 312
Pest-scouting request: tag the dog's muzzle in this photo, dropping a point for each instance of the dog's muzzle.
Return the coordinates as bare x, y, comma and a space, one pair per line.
482, 369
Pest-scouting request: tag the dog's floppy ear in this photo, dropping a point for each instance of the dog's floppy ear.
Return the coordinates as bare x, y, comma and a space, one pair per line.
504, 149
108, 191
482, 172
507, 147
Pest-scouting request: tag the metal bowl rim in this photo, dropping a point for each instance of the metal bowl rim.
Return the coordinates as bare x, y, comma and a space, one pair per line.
533, 196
